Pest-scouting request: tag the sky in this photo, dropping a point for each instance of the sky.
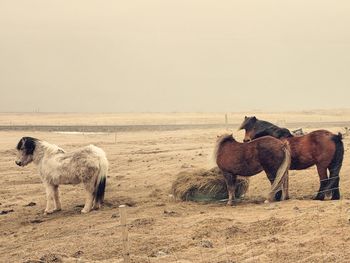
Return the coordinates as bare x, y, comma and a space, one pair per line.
174, 55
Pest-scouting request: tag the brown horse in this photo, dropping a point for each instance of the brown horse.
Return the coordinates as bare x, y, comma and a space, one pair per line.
321, 148
248, 159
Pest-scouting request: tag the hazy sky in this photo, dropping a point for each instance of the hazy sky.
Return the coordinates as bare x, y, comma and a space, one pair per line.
179, 55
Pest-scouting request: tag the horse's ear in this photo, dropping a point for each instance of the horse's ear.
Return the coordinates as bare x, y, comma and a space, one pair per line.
245, 117
254, 118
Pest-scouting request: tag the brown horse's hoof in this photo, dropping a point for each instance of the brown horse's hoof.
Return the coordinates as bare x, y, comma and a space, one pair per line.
319, 197
336, 194
336, 197
278, 195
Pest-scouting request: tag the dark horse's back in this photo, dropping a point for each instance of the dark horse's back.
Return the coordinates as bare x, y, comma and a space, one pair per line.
267, 128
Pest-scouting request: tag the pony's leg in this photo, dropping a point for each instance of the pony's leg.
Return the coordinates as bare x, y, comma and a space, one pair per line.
57, 202
49, 199
322, 173
88, 202
231, 186
89, 198
96, 205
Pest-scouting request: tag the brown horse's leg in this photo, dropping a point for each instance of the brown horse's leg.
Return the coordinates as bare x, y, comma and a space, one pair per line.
231, 186
322, 173
335, 166
333, 184
286, 188
335, 190
271, 177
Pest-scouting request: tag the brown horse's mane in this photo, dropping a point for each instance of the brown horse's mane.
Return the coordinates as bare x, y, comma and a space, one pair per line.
225, 138
221, 140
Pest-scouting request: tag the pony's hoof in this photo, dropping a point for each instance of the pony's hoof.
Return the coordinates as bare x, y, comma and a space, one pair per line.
85, 211
48, 212
266, 202
229, 203
96, 207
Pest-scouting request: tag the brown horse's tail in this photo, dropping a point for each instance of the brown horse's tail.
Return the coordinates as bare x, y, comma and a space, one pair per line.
281, 179
335, 166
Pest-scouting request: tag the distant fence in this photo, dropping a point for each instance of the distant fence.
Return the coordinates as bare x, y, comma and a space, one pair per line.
156, 127
108, 128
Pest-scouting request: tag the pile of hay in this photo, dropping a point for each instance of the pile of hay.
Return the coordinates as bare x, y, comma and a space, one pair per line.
205, 185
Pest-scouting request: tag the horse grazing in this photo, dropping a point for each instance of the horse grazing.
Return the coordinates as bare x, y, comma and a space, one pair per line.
321, 148
248, 159
88, 165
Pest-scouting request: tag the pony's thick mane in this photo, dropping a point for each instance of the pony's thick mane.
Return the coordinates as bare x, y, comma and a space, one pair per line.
44, 148
220, 141
264, 128
264, 125
51, 148
244, 123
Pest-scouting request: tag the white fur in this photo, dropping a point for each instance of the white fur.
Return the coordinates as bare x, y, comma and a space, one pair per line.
87, 165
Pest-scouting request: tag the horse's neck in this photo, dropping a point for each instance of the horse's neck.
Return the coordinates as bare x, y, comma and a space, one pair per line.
45, 149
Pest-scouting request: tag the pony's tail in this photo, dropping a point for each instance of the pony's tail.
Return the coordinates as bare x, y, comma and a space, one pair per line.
101, 181
336, 163
282, 174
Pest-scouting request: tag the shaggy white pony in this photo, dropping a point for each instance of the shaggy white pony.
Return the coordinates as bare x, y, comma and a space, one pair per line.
88, 165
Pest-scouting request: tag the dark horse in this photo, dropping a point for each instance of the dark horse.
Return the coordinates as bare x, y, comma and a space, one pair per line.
248, 159
321, 148
262, 128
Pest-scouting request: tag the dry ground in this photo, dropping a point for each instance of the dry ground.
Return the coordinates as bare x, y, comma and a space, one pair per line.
142, 167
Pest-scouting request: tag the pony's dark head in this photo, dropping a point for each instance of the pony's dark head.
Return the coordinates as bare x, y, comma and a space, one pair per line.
26, 147
248, 125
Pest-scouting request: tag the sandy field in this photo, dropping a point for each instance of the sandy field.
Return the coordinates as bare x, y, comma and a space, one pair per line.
143, 165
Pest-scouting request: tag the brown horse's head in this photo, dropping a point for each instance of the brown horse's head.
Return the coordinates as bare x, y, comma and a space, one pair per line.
248, 126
